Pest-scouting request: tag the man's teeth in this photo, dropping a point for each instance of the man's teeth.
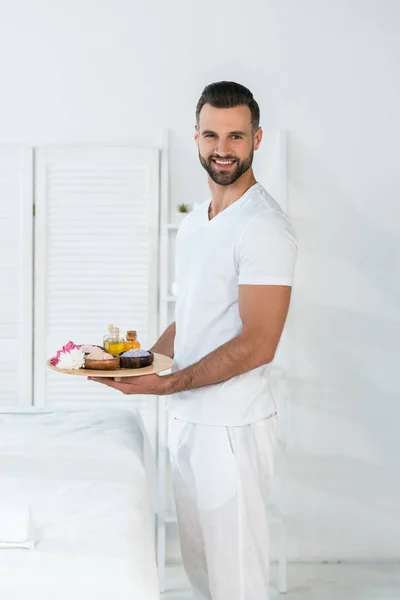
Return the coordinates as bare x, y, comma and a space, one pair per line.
224, 162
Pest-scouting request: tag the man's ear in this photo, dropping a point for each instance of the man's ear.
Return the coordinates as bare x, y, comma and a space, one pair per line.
258, 138
196, 135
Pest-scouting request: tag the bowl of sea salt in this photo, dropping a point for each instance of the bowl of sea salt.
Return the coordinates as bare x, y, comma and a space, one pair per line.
136, 359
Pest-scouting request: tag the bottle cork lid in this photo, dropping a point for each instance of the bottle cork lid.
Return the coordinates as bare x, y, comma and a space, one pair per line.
131, 335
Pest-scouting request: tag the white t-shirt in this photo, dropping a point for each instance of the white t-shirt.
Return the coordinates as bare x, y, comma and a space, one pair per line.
250, 242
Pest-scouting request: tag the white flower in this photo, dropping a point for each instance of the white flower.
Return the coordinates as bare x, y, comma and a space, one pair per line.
74, 359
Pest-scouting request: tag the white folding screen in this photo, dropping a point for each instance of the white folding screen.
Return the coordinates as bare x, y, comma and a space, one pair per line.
276, 172
96, 255
276, 183
16, 215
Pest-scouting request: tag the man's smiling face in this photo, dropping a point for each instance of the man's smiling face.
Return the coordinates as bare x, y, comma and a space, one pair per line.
226, 142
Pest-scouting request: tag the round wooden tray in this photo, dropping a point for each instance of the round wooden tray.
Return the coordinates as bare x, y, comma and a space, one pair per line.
161, 363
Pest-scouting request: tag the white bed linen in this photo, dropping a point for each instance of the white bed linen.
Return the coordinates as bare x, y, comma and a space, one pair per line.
16, 530
83, 474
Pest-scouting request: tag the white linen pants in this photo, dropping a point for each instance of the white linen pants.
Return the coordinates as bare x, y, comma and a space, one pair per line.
221, 478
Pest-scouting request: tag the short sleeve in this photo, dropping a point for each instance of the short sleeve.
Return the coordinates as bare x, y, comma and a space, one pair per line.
266, 252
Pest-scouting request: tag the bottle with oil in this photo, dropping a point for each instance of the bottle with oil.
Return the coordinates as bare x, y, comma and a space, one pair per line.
116, 344
106, 338
131, 341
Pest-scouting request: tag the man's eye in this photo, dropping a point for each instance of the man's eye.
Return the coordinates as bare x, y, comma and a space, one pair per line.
210, 135
236, 137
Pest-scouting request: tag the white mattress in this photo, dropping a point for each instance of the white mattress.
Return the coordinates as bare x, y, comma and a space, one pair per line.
83, 474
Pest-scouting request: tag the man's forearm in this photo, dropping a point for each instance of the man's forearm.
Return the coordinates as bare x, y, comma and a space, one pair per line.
241, 354
165, 344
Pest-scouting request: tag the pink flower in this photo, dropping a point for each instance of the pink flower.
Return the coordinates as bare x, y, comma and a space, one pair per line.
66, 348
69, 346
55, 358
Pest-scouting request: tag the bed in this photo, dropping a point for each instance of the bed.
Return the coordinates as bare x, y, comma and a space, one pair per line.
89, 480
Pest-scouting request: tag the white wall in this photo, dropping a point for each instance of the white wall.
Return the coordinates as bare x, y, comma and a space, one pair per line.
335, 84
87, 71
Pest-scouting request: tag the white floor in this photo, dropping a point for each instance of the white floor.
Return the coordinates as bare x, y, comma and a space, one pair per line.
317, 582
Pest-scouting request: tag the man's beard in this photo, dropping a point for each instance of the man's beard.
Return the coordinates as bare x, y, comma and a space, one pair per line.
226, 177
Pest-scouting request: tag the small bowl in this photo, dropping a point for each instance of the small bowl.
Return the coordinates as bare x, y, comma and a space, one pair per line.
110, 364
136, 362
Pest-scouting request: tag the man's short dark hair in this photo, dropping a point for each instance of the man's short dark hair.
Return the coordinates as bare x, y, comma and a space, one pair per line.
228, 94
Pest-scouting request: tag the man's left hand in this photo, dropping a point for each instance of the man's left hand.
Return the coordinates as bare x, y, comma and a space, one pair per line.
143, 384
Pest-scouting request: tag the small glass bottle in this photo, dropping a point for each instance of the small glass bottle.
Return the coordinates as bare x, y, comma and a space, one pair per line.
106, 338
116, 344
131, 341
